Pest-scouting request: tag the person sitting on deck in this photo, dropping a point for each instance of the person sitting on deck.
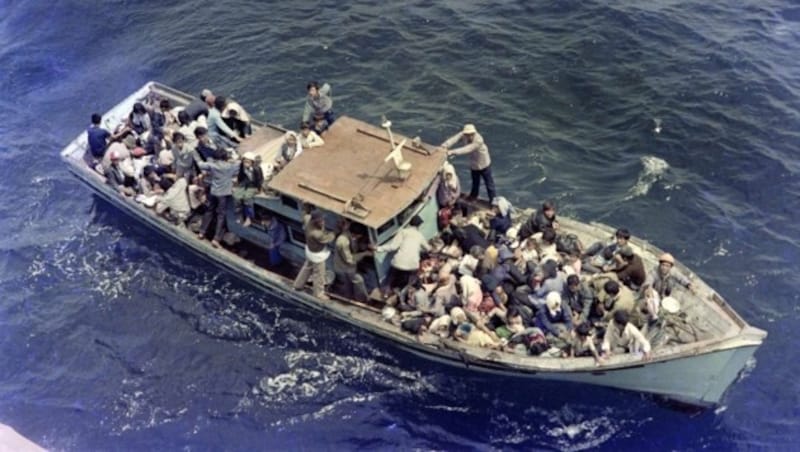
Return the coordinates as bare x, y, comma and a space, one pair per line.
222, 170
545, 279
309, 138
174, 203
186, 128
544, 218
319, 103
548, 250
237, 118
449, 189
579, 297
205, 148
317, 253
276, 234
500, 221
250, 180
665, 279
596, 263
630, 268
621, 238
198, 107
583, 344
163, 118
149, 185
407, 244
555, 319
183, 157
612, 297
98, 139
218, 131
139, 119
117, 178
480, 161
471, 335
290, 149
622, 336
345, 262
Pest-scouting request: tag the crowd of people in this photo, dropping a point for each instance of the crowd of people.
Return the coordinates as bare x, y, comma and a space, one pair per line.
183, 161
486, 279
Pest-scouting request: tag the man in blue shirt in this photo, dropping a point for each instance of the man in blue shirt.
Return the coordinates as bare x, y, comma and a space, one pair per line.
98, 139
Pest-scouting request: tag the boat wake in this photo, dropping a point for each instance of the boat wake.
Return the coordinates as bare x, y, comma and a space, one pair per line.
653, 169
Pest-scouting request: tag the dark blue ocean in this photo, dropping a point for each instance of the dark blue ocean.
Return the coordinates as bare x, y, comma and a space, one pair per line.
113, 338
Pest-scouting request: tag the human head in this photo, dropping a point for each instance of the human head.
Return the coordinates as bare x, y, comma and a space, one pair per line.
469, 129
665, 263
200, 133
622, 235
621, 317
165, 183
291, 138
583, 330
318, 217
138, 108
184, 118
416, 221
573, 282
549, 209
611, 288
164, 104
96, 119
178, 138
113, 156
205, 94
313, 88
220, 102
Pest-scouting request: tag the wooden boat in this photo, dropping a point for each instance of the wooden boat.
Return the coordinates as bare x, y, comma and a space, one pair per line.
351, 176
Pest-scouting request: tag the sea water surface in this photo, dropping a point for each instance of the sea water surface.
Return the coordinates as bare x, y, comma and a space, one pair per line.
113, 338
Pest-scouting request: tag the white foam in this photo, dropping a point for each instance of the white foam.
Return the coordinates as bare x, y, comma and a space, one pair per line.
653, 169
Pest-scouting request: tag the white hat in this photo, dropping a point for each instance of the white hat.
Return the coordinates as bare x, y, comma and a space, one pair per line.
671, 305
553, 300
206, 93
249, 156
469, 129
388, 313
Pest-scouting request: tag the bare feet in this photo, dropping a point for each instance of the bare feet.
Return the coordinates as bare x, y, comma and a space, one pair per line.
215, 244
200, 236
246, 222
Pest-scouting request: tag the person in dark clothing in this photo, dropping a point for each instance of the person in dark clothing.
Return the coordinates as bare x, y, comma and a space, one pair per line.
250, 180
205, 149
198, 107
544, 218
98, 139
632, 273
469, 236
579, 297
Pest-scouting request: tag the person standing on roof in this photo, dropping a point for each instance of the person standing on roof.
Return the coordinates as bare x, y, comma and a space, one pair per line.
480, 161
317, 253
318, 103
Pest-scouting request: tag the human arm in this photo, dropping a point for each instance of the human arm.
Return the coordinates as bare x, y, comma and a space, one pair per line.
451, 141
392, 245
642, 343
313, 140
467, 149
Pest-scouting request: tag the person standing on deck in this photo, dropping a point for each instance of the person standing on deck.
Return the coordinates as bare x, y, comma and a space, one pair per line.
480, 161
317, 253
222, 171
407, 244
345, 263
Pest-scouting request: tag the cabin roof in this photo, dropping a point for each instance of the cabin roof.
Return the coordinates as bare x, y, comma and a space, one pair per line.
350, 165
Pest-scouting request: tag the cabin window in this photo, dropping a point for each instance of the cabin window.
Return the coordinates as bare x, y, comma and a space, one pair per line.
386, 226
298, 236
289, 202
